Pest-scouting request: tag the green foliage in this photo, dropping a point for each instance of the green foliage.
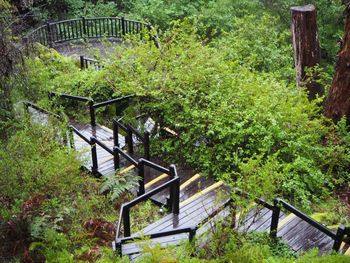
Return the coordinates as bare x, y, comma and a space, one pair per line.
330, 21
162, 12
55, 247
236, 115
223, 81
248, 44
117, 184
38, 163
44, 198
64, 9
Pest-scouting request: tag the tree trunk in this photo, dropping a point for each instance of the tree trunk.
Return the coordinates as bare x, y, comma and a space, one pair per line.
306, 46
338, 101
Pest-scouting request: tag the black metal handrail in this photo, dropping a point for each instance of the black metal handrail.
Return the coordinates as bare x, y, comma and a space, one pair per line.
28, 104
77, 132
112, 101
91, 103
280, 203
84, 28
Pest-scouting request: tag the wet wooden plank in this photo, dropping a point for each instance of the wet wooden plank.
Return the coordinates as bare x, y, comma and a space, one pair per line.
325, 245
196, 186
312, 239
194, 214
184, 211
184, 193
265, 226
254, 215
288, 227
137, 247
297, 234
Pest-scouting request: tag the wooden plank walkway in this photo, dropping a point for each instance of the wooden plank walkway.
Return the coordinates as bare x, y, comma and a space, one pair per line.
200, 197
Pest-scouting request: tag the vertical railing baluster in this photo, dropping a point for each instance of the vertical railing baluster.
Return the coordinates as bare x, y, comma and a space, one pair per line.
92, 113
49, 36
141, 173
115, 134
94, 167
130, 140
174, 191
126, 221
64, 31
116, 144
339, 238
123, 26
274, 219
192, 234
116, 159
146, 145
71, 137
81, 62
85, 29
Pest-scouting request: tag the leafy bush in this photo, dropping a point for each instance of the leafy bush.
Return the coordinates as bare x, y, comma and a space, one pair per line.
44, 197
117, 184
236, 115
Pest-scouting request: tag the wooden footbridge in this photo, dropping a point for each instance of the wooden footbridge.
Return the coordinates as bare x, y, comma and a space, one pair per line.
194, 202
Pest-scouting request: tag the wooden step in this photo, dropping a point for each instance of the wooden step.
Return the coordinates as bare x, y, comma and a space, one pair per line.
190, 214
184, 175
196, 184
127, 169
203, 192
189, 181
137, 247
155, 180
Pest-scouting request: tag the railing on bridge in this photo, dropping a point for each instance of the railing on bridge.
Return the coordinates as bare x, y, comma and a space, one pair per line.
85, 28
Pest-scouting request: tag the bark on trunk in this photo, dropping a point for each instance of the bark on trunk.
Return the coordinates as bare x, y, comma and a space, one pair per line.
306, 46
338, 101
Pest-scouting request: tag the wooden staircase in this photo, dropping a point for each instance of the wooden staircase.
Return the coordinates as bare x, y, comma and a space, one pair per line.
193, 201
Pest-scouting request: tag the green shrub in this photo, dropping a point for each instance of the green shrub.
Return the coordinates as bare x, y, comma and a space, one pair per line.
236, 115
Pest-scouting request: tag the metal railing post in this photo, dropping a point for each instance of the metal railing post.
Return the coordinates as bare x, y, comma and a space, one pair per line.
118, 248
174, 191
141, 173
84, 27
192, 234
146, 145
339, 238
123, 26
126, 221
130, 141
49, 35
71, 137
115, 134
92, 113
82, 66
274, 219
116, 159
93, 155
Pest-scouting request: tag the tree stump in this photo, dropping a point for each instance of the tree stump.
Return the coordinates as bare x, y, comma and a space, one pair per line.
338, 101
306, 46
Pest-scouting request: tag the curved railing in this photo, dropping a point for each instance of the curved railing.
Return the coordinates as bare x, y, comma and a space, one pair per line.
84, 28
